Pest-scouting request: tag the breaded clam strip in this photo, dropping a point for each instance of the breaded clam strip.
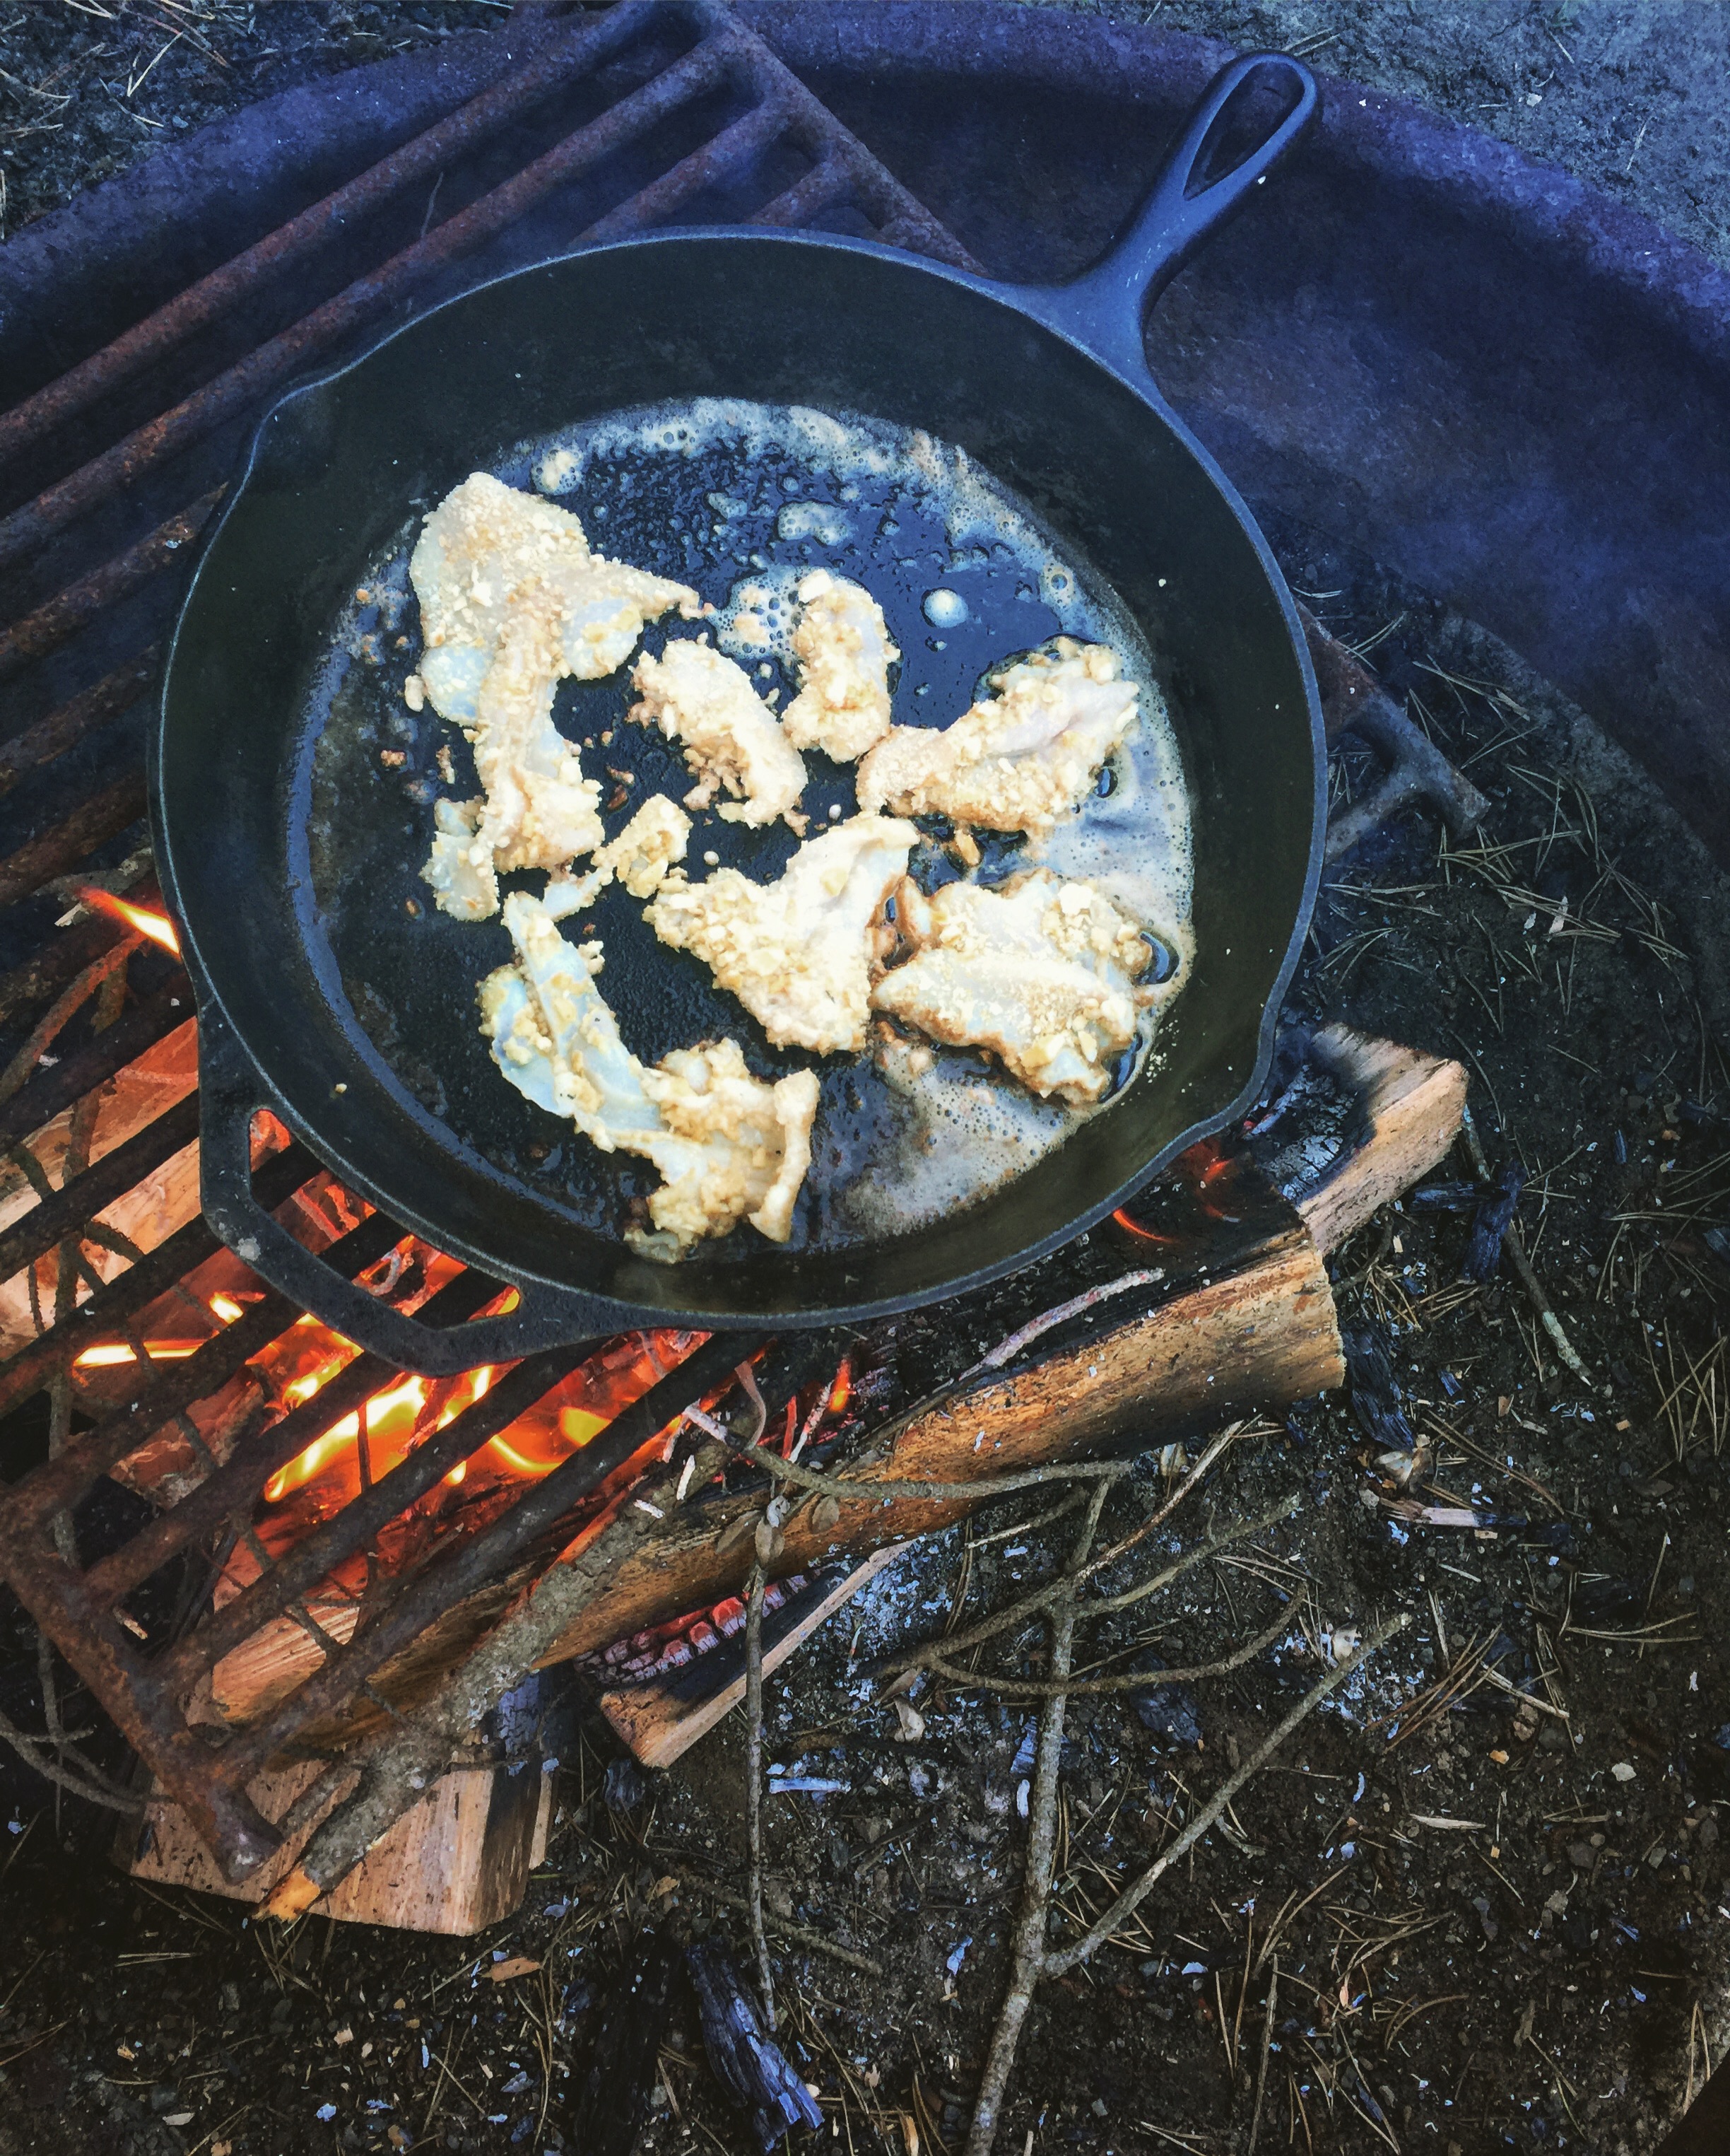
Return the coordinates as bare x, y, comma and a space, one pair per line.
728, 1145
478, 551
1040, 971
842, 646
732, 741
799, 954
512, 601
1022, 758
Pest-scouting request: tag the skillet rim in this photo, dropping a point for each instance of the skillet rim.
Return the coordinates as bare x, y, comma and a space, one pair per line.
1060, 312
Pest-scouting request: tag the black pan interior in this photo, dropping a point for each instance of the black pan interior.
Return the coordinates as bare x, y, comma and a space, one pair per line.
734, 512
316, 988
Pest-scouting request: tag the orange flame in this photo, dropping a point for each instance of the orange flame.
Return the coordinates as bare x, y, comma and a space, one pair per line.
365, 1446
156, 926
114, 1353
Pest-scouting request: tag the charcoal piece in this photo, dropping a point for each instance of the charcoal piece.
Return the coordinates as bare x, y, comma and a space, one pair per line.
1375, 1394
1490, 1223
1443, 1197
1168, 1710
612, 2105
746, 2062
1717, 1241
623, 1787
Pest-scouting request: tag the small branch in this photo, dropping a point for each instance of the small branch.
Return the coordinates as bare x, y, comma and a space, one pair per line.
1006, 1350
875, 1492
1132, 1898
1028, 1951
1522, 1266
753, 1783
92, 1786
1128, 1680
1266, 2043
1003, 1620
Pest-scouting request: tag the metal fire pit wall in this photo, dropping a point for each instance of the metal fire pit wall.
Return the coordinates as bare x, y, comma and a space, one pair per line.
547, 133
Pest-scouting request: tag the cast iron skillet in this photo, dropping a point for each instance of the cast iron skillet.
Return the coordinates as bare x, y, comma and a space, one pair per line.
1048, 389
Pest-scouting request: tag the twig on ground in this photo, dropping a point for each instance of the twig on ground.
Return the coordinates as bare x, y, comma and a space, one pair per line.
1516, 1257
1030, 1604
1267, 2042
1126, 1681
1028, 1952
753, 1783
1132, 1898
47, 1760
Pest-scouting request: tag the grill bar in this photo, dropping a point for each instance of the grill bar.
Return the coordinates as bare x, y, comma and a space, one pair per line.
58, 619
132, 1033
162, 1394
53, 1220
235, 1487
104, 817
64, 729
110, 1308
361, 1519
216, 294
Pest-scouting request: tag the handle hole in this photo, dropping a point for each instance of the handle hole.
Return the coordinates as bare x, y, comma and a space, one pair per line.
1256, 110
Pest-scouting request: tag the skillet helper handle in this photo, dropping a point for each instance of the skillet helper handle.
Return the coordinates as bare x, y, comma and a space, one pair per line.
230, 1095
1105, 305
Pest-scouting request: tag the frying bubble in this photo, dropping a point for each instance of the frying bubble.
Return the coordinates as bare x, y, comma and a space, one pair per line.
944, 608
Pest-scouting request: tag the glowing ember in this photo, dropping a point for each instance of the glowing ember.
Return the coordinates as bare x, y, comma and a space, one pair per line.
157, 927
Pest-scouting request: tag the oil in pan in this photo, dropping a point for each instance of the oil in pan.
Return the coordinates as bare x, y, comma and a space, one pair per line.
740, 501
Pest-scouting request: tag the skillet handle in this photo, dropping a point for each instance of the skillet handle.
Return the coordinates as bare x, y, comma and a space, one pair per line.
1105, 307
230, 1094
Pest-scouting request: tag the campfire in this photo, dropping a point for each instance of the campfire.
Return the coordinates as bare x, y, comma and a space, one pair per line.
339, 1612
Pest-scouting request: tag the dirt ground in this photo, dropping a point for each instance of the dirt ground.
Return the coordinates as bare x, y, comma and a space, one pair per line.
1546, 1967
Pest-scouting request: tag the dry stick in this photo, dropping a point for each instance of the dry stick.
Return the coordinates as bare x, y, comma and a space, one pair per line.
836, 1486
1030, 1604
1132, 1898
753, 1783
1029, 1944
1521, 1264
1267, 2044
1128, 1681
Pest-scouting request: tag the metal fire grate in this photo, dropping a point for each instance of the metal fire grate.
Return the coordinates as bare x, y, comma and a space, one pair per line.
113, 469
664, 73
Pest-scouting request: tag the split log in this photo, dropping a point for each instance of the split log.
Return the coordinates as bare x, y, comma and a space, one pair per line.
457, 1863
660, 1719
1412, 1105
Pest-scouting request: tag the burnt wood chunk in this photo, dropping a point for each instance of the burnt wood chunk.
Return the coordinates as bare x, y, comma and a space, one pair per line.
747, 2063
612, 2105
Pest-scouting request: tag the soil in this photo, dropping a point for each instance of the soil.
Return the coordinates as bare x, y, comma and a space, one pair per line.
1545, 1969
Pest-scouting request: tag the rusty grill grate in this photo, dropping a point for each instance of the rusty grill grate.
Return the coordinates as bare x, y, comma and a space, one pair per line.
664, 72
113, 468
